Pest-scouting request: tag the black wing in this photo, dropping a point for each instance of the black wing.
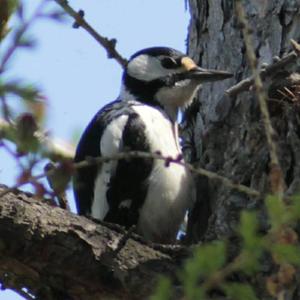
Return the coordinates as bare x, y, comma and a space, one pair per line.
127, 189
89, 146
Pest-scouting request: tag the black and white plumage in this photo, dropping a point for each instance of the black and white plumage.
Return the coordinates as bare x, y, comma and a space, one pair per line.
144, 192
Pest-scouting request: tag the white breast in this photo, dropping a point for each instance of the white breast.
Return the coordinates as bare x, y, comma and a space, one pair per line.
170, 190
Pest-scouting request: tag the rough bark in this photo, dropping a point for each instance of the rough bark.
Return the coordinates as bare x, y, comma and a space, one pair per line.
226, 134
58, 255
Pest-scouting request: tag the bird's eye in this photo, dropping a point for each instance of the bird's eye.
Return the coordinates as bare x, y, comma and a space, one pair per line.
169, 63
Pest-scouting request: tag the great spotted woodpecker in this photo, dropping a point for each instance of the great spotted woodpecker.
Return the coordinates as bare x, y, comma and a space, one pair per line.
156, 83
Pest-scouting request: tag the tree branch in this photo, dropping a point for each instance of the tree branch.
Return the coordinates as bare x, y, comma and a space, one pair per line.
276, 176
108, 44
270, 70
140, 154
46, 249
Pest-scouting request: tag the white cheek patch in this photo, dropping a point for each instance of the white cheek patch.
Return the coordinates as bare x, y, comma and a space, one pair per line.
146, 68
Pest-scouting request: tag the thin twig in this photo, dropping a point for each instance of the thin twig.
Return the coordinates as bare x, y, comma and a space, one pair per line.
5, 109
295, 46
168, 160
139, 154
108, 44
276, 172
269, 70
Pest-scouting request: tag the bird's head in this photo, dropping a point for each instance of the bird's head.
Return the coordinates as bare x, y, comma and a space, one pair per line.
166, 77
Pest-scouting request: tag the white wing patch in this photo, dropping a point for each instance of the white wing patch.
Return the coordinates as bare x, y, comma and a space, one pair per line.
110, 144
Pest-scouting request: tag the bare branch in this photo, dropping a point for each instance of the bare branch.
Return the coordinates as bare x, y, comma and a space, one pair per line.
269, 70
139, 154
5, 109
295, 46
108, 44
277, 183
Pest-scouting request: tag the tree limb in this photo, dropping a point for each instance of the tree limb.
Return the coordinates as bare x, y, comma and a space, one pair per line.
276, 175
55, 254
108, 44
268, 71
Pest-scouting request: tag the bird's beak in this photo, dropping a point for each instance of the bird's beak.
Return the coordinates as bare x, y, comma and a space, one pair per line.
202, 75
205, 75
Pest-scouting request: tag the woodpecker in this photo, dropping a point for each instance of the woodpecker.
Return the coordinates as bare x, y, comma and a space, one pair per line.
156, 83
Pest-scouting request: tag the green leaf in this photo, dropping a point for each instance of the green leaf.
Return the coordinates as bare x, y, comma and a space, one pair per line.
7, 8
163, 290
193, 292
277, 211
294, 209
286, 253
238, 291
13, 4
207, 259
248, 230
252, 247
25, 91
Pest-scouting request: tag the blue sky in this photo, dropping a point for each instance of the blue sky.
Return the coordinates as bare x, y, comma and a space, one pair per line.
73, 71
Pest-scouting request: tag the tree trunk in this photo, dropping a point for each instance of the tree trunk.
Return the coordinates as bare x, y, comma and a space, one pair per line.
225, 134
